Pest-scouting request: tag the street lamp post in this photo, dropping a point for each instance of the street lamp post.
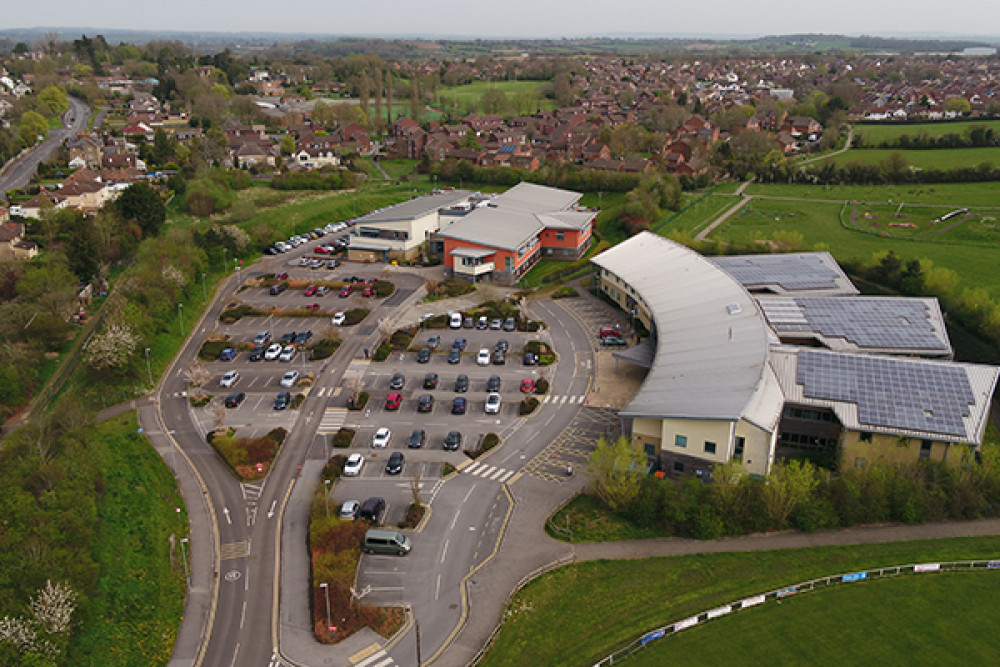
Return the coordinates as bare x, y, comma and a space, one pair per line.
326, 496
270, 325
187, 573
326, 589
204, 290
149, 369
225, 259
180, 317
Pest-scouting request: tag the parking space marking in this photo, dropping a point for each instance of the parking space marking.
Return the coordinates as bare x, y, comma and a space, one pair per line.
571, 448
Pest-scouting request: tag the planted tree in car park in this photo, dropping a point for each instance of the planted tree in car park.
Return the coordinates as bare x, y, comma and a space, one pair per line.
218, 413
197, 374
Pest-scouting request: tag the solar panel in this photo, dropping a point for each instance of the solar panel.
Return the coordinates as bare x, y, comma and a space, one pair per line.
890, 392
791, 272
873, 323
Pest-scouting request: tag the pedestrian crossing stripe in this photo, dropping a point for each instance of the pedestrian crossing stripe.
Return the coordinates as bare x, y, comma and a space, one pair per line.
564, 399
486, 471
333, 419
251, 492
378, 659
234, 550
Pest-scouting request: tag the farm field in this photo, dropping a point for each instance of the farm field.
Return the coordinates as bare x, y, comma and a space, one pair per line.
934, 620
955, 195
879, 134
945, 158
553, 617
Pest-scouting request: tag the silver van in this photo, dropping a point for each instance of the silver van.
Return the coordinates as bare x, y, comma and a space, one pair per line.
382, 541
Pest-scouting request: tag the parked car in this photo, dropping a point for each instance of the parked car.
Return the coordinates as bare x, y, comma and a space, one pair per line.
321, 250
394, 465
303, 337
229, 379
527, 385
288, 337
312, 306
425, 403
345, 291
381, 438
462, 383
454, 355
499, 357
502, 344
353, 465
288, 353
282, 400
304, 261
272, 352
417, 438
309, 291
614, 341
316, 263
228, 354
496, 324
349, 510
468, 322
257, 353
455, 321
604, 332
262, 337
277, 289
338, 319
493, 404
510, 324
368, 292
483, 358
483, 323
434, 342
459, 343
372, 509
289, 379
453, 441
530, 359
424, 355
431, 381
397, 381
234, 399
458, 405
393, 400
281, 276
331, 264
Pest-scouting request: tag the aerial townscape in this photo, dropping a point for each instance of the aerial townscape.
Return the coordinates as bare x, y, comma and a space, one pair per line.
408, 339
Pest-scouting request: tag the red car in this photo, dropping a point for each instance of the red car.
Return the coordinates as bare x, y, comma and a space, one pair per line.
371, 281
311, 290
368, 291
312, 306
346, 290
393, 401
527, 385
321, 250
281, 276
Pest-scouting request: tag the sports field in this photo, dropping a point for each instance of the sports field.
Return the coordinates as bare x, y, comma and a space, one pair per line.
879, 134
946, 158
954, 195
935, 619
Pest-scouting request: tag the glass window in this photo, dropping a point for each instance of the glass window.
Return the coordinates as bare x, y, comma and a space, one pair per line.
709, 447
860, 463
678, 467
866, 436
560, 236
680, 441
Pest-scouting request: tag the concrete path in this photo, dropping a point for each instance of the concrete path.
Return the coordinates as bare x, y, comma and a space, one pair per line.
847, 147
703, 234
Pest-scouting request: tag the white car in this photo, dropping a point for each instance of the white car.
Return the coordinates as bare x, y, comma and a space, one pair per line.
381, 438
288, 353
352, 467
229, 379
483, 358
338, 319
493, 404
273, 352
455, 321
289, 379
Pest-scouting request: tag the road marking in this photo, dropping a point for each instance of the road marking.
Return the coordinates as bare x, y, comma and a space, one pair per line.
332, 420
437, 588
444, 551
370, 661
235, 653
322, 390
270, 512
387, 588
466, 498
246, 582
225, 510
234, 550
366, 652
243, 614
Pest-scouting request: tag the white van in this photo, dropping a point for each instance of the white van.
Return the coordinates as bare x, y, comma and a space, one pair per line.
382, 541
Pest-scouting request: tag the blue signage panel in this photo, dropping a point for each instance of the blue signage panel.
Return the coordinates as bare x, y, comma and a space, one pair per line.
655, 634
854, 576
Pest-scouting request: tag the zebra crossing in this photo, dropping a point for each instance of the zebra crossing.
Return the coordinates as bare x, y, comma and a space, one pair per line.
252, 492
333, 420
486, 471
565, 399
378, 658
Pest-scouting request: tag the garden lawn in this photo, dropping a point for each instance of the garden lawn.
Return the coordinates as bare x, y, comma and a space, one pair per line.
934, 620
587, 520
136, 612
580, 613
819, 225
944, 158
879, 134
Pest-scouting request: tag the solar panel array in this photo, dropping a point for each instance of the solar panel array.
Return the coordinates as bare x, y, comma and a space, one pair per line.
866, 322
889, 392
791, 272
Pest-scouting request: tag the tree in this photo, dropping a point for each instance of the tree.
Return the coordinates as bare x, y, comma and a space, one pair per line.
785, 487
616, 471
197, 374
141, 203
287, 144
55, 98
414, 98
111, 349
33, 125
959, 104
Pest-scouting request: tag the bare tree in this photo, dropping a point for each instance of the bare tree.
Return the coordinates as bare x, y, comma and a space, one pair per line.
197, 374
354, 384
218, 412
385, 329
431, 287
415, 488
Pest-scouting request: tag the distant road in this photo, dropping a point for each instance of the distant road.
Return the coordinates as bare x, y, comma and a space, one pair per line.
20, 170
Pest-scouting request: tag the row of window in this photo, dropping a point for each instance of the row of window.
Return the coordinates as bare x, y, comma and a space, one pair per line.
805, 413
803, 441
682, 441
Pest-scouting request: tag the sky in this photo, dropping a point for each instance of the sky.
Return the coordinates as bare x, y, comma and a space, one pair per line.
519, 18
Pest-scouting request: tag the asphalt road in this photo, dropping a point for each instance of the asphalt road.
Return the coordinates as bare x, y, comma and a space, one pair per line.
20, 170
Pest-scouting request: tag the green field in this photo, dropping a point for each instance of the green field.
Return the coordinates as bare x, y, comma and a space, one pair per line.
471, 93
879, 134
945, 194
945, 158
697, 215
913, 620
578, 614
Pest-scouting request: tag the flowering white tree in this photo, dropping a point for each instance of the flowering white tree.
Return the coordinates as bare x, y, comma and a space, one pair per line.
53, 608
174, 275
197, 374
110, 349
51, 616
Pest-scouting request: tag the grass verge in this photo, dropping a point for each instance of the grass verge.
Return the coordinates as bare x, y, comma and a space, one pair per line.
587, 520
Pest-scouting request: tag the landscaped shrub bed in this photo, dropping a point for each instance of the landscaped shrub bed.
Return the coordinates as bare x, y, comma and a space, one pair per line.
355, 316
527, 406
360, 403
211, 349
414, 513
344, 438
323, 349
250, 458
490, 440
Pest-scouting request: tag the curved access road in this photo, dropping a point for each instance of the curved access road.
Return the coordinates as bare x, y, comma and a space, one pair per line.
18, 171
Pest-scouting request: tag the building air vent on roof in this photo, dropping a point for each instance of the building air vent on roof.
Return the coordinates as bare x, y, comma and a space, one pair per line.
734, 308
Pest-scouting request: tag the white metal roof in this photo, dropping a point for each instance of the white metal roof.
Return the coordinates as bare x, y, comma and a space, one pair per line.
712, 341
414, 208
473, 252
